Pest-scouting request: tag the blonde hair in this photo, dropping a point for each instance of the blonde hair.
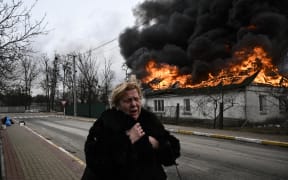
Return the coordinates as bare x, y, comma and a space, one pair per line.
120, 90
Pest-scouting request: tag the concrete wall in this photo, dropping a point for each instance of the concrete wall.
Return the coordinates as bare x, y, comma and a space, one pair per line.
12, 109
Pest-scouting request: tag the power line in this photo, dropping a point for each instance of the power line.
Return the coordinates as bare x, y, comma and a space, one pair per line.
101, 45
108, 42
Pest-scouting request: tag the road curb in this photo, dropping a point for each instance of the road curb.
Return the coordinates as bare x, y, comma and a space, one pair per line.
87, 119
228, 137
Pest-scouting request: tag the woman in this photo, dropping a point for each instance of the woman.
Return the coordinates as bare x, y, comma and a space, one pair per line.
128, 142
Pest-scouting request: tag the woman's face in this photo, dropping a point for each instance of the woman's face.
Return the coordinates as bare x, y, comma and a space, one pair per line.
131, 103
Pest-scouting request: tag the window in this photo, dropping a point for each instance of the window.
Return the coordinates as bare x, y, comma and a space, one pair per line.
187, 107
283, 104
159, 105
262, 103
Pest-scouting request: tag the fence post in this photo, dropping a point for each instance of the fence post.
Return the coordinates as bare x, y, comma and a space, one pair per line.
221, 116
177, 113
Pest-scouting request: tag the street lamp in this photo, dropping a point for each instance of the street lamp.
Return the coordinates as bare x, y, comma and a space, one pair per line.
74, 86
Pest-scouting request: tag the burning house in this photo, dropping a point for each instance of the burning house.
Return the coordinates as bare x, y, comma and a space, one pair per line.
211, 59
238, 103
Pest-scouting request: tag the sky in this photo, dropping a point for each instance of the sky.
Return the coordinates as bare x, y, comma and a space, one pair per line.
80, 25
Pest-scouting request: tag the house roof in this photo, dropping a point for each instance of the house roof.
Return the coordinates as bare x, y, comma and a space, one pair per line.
203, 90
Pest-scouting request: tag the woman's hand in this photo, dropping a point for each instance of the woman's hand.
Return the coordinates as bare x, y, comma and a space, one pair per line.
135, 133
154, 142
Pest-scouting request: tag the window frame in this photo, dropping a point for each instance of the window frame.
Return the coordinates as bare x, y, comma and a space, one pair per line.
187, 105
159, 105
263, 104
283, 105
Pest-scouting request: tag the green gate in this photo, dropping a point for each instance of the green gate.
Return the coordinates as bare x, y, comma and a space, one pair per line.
83, 110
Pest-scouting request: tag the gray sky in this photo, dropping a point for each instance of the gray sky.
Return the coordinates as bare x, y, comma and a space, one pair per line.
80, 25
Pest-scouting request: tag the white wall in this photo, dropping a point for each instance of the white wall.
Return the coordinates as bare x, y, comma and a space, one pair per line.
203, 106
272, 101
238, 104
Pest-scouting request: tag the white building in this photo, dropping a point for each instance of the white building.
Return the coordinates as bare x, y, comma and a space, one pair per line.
242, 103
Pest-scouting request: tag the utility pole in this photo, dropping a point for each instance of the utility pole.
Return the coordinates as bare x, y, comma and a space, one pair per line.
74, 86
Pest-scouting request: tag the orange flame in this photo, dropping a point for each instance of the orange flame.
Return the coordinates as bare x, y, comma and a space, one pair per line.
252, 27
162, 76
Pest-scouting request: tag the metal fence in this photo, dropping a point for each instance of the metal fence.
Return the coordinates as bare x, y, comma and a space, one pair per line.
83, 110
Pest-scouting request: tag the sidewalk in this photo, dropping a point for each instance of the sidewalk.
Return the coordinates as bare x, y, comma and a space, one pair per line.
28, 157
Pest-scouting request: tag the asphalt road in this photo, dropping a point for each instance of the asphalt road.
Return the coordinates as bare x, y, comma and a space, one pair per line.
201, 157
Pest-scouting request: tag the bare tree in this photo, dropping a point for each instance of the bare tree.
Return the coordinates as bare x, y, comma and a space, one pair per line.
211, 103
50, 82
16, 33
45, 84
66, 76
88, 79
29, 71
125, 68
108, 76
55, 74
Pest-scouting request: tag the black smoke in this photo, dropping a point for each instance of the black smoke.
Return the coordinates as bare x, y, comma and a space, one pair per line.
200, 36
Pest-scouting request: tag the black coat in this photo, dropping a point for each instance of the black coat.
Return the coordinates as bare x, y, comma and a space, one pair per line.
110, 154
